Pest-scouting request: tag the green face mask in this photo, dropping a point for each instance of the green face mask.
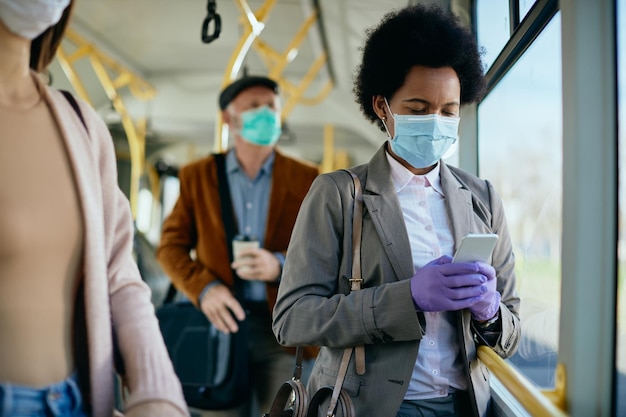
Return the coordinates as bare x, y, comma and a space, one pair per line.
260, 126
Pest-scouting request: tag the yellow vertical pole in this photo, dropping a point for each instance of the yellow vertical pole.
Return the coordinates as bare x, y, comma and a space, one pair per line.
66, 65
328, 164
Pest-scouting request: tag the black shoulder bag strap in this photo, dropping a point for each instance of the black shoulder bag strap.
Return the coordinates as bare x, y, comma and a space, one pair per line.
228, 216
228, 219
70, 98
225, 202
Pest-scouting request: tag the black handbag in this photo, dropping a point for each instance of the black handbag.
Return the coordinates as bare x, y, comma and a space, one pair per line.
212, 366
291, 399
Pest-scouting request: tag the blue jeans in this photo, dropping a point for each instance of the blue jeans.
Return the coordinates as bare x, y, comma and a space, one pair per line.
62, 399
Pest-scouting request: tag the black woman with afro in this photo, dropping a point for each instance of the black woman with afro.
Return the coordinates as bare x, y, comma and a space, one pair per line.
419, 316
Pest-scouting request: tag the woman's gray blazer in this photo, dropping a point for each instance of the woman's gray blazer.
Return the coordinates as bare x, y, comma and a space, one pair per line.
315, 305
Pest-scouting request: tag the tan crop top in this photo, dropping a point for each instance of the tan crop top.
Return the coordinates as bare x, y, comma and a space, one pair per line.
40, 248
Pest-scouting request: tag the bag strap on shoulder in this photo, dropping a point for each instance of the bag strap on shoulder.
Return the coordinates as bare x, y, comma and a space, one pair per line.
228, 219
72, 100
228, 216
338, 397
356, 282
225, 202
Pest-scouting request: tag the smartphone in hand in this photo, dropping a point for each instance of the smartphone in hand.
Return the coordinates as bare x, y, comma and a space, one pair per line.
476, 247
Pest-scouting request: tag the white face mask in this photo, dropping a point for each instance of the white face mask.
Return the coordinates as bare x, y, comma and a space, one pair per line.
30, 18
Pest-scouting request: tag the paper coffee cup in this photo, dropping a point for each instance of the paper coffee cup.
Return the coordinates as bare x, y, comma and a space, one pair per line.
241, 243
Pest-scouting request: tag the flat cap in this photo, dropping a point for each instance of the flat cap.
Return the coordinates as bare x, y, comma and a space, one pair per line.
231, 91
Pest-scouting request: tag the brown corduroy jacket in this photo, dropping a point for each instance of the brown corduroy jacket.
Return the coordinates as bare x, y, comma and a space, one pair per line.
196, 223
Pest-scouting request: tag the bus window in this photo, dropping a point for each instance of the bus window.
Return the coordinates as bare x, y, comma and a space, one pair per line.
524, 7
520, 152
493, 28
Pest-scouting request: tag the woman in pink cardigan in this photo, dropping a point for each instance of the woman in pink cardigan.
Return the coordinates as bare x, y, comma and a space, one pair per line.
67, 275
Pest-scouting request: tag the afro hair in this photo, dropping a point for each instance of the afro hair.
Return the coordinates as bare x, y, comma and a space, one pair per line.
416, 35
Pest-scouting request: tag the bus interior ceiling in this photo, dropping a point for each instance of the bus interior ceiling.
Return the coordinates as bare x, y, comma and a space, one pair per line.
159, 43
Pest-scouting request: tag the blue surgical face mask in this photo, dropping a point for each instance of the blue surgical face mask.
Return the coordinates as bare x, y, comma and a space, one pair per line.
422, 140
260, 126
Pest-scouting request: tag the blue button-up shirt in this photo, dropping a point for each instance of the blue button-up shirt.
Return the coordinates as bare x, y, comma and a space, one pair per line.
250, 198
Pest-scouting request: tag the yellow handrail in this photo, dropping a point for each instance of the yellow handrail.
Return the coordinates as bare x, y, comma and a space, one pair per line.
530, 397
113, 76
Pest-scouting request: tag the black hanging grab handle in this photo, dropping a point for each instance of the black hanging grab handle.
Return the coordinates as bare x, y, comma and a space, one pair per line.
212, 16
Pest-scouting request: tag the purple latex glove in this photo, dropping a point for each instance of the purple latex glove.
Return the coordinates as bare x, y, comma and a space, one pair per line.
489, 303
444, 286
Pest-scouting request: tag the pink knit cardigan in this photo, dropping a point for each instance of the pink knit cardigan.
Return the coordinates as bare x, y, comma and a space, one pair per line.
113, 288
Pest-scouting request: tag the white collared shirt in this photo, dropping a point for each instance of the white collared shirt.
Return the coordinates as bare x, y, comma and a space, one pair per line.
439, 367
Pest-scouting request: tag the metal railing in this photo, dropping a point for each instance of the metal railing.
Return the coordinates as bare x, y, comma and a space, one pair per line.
113, 77
535, 401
